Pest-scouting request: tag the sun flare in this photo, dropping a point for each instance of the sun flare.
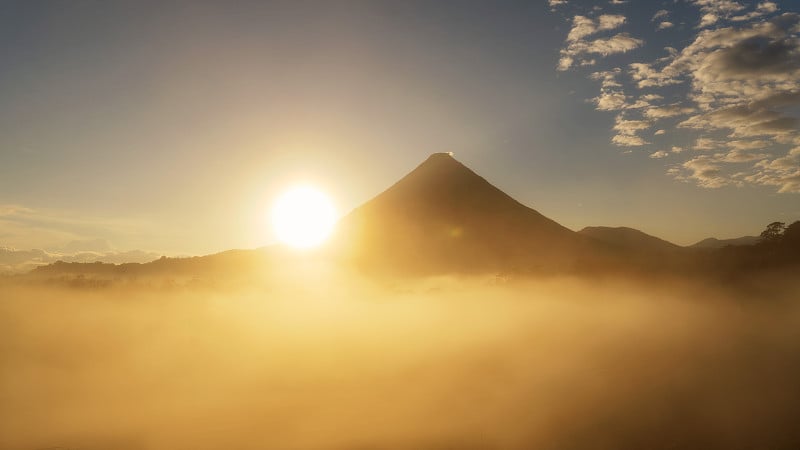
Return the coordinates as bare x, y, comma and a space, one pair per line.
303, 217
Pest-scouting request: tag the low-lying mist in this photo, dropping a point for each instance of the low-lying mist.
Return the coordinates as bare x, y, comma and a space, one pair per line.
447, 363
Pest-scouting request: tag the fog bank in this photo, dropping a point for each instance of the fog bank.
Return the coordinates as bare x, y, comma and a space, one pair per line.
446, 363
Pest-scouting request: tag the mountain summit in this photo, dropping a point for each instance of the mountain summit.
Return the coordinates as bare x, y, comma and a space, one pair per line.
443, 217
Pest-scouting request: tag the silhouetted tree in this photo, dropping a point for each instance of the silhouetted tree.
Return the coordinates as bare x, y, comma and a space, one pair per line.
791, 235
773, 232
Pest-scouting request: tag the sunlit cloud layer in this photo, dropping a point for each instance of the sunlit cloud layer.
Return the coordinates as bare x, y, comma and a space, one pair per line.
732, 93
32, 237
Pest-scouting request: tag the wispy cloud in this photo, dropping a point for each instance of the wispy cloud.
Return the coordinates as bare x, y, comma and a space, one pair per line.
659, 154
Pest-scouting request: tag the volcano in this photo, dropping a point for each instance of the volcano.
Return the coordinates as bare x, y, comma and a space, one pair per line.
443, 217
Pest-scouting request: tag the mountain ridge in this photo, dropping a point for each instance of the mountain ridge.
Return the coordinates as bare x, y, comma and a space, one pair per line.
443, 218
714, 243
629, 238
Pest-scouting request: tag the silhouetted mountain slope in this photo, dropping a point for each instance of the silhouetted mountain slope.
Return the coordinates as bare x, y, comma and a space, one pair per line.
629, 239
714, 243
444, 217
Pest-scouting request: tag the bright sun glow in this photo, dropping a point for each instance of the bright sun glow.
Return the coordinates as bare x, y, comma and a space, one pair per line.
303, 217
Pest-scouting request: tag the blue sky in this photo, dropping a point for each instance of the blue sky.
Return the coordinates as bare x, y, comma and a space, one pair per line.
171, 126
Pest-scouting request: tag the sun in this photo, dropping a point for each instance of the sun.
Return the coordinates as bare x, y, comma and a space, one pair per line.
303, 217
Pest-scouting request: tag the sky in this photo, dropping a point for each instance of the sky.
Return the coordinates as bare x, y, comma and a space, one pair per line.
171, 126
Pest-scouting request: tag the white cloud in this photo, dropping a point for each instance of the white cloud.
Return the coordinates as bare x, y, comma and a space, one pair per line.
610, 101
740, 156
647, 76
751, 119
626, 140
706, 144
582, 26
721, 6
630, 126
715, 10
783, 172
708, 19
659, 154
626, 132
768, 7
664, 25
661, 112
578, 46
748, 145
660, 14
619, 43
705, 171
762, 9
565, 63
608, 77
610, 21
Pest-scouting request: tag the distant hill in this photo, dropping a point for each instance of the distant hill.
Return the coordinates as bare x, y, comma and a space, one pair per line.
444, 217
218, 263
629, 239
714, 243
